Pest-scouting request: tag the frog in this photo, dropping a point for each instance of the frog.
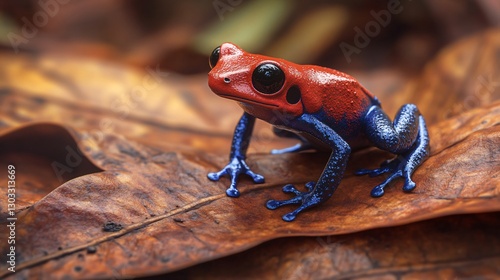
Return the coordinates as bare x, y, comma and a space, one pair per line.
325, 110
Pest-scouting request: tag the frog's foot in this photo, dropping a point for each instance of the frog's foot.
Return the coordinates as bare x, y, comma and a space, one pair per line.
385, 167
396, 167
304, 198
234, 169
303, 146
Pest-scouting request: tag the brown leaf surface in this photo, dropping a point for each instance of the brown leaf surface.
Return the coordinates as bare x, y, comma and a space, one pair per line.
172, 216
461, 77
457, 247
155, 194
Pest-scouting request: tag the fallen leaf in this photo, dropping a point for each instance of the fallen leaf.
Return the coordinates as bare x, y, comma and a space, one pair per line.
463, 76
146, 207
435, 249
144, 189
41, 165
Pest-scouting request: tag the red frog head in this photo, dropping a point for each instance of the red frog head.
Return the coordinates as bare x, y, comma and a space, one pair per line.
265, 87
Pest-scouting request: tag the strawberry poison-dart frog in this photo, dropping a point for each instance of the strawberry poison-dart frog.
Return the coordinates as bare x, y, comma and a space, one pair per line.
321, 107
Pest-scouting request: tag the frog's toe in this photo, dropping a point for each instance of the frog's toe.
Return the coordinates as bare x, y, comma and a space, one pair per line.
289, 217
303, 146
377, 191
395, 168
372, 172
386, 166
291, 189
409, 184
233, 192
292, 149
310, 186
212, 176
215, 176
274, 204
306, 200
257, 178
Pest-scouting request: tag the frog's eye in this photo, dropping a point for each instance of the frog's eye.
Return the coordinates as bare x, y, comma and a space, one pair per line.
214, 57
268, 78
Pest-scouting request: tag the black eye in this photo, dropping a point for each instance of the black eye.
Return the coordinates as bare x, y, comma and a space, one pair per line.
214, 57
293, 95
268, 78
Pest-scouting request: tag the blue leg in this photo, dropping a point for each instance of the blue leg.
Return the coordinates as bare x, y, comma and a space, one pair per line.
237, 164
304, 145
407, 137
329, 179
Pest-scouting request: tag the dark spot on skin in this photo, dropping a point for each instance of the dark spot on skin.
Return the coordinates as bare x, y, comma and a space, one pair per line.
165, 259
178, 220
59, 248
112, 227
80, 256
293, 95
91, 250
78, 268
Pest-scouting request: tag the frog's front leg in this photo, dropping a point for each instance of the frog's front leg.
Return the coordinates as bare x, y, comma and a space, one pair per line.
407, 137
237, 164
331, 176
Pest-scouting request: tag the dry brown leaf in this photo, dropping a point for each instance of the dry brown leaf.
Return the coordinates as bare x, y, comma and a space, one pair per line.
172, 216
457, 247
152, 209
463, 76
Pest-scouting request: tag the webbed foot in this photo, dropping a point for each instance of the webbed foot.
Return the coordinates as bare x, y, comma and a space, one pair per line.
407, 137
306, 199
396, 167
234, 169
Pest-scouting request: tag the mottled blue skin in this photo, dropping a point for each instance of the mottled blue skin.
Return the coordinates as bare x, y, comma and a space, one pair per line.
406, 136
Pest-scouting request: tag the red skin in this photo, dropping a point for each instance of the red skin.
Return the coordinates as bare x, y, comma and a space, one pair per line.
337, 94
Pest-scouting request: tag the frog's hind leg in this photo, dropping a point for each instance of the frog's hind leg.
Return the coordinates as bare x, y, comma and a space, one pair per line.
407, 137
302, 146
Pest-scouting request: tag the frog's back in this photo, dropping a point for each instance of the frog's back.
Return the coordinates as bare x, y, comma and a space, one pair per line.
338, 100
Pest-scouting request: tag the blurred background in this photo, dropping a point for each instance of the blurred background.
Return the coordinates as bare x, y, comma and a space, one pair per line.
96, 64
179, 35
138, 69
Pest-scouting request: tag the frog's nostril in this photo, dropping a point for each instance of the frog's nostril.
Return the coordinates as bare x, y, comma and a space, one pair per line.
227, 80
